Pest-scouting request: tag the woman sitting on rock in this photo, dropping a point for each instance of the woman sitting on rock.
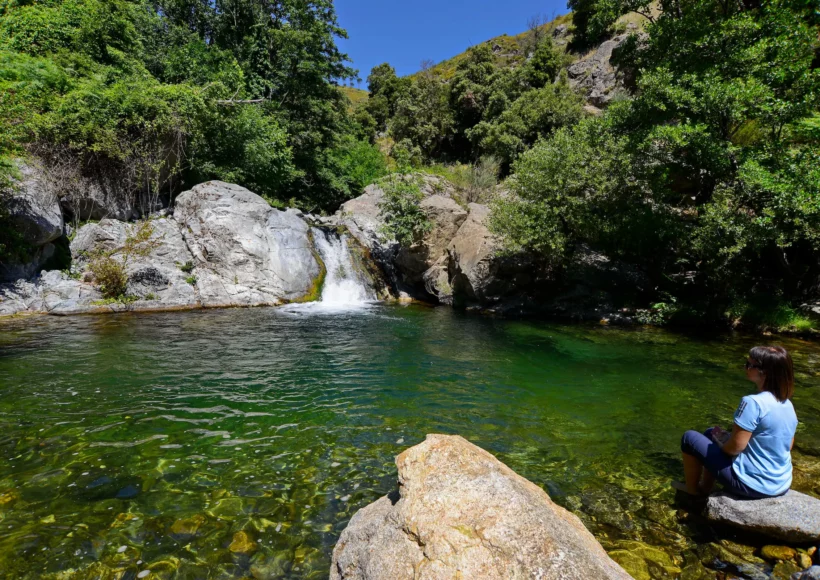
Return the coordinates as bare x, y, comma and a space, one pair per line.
754, 460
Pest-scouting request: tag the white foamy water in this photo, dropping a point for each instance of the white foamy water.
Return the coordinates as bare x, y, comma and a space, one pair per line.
345, 288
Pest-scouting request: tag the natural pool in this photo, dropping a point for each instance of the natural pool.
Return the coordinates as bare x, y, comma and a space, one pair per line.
149, 442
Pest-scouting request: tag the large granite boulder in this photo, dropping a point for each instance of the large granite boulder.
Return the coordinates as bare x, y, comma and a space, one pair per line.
446, 217
35, 213
793, 517
461, 513
406, 268
246, 253
158, 275
34, 209
362, 217
479, 272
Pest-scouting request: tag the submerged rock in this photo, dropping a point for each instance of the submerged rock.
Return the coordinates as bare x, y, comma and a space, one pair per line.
246, 253
460, 512
242, 543
793, 517
778, 552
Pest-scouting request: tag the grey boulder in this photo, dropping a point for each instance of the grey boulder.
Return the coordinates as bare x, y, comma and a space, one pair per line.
246, 253
461, 513
35, 211
52, 292
156, 278
479, 272
793, 517
446, 217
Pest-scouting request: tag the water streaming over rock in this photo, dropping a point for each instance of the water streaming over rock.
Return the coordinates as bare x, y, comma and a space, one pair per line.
345, 285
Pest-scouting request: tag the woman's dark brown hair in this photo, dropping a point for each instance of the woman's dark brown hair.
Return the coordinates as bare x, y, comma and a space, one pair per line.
776, 363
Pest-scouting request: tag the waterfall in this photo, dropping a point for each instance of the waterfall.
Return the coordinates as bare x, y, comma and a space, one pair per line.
345, 286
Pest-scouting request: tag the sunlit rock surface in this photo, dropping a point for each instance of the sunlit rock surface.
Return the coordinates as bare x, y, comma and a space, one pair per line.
245, 252
158, 278
793, 517
460, 512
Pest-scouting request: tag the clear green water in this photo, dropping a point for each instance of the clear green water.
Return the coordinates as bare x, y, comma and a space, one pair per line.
141, 442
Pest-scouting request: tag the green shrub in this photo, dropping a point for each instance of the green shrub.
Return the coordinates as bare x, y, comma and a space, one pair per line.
110, 273
473, 183
770, 312
357, 165
403, 218
187, 267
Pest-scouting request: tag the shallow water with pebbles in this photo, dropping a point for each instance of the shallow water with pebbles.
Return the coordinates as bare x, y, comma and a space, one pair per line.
238, 443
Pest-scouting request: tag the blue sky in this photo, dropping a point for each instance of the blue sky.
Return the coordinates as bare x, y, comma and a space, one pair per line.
404, 33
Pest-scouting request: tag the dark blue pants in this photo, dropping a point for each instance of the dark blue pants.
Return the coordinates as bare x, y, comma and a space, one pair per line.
717, 462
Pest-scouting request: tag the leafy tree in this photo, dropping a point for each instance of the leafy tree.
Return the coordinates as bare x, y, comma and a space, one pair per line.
385, 90
424, 118
535, 114
708, 176
243, 89
357, 164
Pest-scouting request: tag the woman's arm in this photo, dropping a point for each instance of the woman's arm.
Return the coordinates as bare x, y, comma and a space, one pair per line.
737, 442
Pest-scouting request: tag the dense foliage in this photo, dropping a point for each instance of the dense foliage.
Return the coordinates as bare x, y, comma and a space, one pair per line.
483, 110
709, 177
706, 175
153, 95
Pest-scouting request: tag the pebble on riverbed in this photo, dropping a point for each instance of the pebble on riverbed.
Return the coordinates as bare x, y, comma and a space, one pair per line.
775, 553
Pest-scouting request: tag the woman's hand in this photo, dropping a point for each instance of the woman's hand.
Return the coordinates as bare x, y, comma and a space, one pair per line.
737, 442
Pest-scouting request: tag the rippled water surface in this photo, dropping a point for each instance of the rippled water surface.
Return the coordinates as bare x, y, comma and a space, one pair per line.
238, 443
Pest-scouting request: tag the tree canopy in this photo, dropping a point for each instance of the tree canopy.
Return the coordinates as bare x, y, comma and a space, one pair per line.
241, 90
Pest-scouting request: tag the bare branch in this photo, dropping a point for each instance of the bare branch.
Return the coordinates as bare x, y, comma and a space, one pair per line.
232, 102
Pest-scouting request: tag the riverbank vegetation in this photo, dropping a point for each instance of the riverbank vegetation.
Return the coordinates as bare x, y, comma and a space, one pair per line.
704, 170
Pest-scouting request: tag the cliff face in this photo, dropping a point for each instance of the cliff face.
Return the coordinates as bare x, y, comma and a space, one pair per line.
223, 246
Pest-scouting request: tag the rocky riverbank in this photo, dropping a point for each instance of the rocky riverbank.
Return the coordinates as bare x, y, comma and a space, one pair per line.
223, 246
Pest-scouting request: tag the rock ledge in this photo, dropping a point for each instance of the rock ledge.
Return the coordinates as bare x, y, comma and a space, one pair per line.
794, 517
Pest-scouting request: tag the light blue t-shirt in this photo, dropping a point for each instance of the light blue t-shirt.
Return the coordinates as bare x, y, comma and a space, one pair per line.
766, 463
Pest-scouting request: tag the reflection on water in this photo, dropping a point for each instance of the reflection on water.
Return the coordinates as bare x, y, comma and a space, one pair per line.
238, 443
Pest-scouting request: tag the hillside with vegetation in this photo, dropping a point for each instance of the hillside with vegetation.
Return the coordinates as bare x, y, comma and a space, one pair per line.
155, 96
703, 170
682, 138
